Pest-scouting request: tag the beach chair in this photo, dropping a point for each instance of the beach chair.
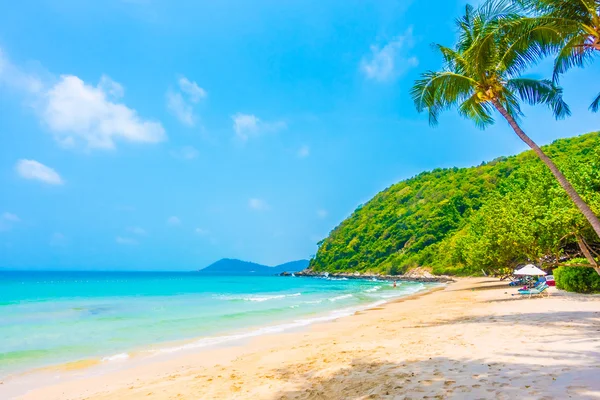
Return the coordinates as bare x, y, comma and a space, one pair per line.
541, 290
517, 282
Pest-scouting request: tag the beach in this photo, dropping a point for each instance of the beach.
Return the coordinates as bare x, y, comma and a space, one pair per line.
470, 339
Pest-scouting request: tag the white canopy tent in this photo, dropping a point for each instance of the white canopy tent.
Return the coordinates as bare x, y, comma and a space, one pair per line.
530, 270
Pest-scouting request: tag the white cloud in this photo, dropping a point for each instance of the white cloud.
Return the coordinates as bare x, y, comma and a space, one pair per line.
173, 221
246, 126
185, 153
257, 204
322, 213
58, 240
194, 92
391, 60
180, 108
31, 169
77, 112
14, 77
137, 230
126, 241
201, 231
303, 151
111, 87
10, 217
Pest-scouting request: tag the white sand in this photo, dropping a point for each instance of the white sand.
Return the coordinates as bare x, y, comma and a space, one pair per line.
472, 340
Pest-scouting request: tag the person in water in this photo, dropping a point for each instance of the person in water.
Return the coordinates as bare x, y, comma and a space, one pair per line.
394, 284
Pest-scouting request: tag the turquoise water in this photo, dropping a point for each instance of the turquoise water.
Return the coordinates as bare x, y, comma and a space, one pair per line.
56, 317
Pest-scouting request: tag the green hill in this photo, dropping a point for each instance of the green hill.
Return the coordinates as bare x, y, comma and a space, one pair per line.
463, 220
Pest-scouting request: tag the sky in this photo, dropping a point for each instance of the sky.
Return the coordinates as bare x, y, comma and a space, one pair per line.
165, 135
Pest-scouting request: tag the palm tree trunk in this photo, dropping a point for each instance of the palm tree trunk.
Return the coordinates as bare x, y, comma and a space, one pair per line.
583, 207
586, 252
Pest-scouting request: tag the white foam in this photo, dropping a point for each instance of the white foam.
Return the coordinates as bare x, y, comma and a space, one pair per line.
373, 289
406, 291
116, 357
259, 298
299, 323
313, 302
344, 296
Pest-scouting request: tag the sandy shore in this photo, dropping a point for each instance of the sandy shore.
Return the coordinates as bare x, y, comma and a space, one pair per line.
471, 340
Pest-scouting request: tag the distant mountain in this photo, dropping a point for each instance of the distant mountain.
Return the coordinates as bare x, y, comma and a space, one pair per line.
228, 266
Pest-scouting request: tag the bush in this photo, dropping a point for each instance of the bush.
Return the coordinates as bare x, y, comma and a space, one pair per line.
577, 279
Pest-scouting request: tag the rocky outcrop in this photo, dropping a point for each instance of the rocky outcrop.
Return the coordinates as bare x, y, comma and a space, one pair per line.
418, 276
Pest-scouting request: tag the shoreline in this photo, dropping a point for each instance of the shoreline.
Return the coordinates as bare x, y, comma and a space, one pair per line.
98, 366
400, 278
472, 332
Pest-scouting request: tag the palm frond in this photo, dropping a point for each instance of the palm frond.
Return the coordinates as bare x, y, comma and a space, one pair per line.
595, 106
573, 54
511, 104
480, 113
571, 9
454, 61
485, 49
528, 44
534, 92
438, 91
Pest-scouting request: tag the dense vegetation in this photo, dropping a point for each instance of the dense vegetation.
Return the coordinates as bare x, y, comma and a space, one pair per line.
577, 279
465, 220
482, 74
512, 210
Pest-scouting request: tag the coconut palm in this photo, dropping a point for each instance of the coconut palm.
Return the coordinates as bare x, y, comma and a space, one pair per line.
579, 24
482, 73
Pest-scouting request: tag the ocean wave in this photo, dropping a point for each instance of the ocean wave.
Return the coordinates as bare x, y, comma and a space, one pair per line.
405, 291
256, 297
344, 296
373, 289
116, 357
313, 302
299, 323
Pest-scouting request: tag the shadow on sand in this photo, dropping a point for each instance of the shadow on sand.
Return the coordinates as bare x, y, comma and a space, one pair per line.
441, 378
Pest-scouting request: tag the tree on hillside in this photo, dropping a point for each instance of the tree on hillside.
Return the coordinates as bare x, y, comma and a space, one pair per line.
482, 73
578, 22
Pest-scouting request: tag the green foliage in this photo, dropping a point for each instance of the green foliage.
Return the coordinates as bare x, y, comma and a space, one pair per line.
462, 220
482, 72
577, 279
578, 26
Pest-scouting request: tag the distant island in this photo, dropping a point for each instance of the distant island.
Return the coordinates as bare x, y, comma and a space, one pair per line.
228, 266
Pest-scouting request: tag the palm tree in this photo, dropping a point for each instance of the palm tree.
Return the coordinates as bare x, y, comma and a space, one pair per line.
578, 21
482, 73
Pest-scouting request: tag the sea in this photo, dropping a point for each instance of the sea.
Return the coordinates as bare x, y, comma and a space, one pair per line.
50, 318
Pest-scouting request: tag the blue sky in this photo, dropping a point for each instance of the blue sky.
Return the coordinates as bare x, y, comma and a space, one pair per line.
154, 134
